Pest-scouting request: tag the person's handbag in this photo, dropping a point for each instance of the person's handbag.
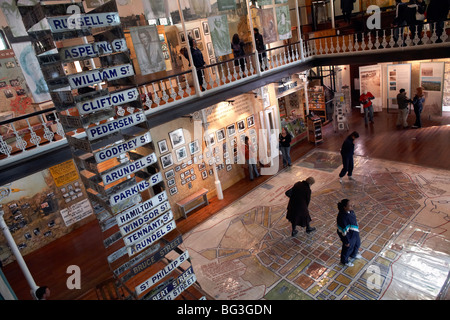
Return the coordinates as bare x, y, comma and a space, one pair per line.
288, 193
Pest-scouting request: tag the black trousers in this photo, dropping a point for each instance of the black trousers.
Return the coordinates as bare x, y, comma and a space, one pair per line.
417, 112
347, 162
350, 251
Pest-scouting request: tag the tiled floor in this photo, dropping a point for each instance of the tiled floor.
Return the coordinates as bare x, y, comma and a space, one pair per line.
246, 251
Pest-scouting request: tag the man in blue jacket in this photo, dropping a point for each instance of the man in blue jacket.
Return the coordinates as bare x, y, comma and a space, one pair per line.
348, 231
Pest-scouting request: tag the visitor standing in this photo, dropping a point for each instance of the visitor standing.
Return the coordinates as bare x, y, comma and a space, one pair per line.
250, 159
238, 51
402, 102
297, 210
259, 42
285, 146
347, 151
347, 8
348, 231
366, 100
417, 102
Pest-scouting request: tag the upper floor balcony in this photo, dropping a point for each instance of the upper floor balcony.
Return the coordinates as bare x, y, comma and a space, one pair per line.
39, 138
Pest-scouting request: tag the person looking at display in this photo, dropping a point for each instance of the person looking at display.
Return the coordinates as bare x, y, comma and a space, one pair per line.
417, 102
402, 102
366, 100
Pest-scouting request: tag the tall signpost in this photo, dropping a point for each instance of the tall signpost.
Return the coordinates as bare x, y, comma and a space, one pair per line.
111, 144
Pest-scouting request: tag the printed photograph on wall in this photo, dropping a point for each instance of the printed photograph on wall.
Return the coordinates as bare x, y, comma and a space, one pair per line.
32, 71
156, 9
220, 34
176, 137
148, 49
269, 32
283, 22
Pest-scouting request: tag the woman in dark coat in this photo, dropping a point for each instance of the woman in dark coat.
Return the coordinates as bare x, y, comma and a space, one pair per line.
297, 210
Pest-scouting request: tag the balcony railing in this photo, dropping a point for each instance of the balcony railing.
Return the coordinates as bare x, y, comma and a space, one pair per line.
29, 135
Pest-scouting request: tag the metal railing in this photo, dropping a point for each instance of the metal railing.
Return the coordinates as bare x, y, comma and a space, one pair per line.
41, 131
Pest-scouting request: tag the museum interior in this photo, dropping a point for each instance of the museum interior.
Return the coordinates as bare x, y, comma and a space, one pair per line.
141, 154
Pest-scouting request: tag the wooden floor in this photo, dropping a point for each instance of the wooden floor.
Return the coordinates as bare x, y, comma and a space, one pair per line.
428, 146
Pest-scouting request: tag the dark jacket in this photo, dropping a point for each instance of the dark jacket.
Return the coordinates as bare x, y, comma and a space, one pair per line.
402, 101
348, 147
197, 57
347, 227
297, 210
287, 140
438, 10
400, 14
347, 5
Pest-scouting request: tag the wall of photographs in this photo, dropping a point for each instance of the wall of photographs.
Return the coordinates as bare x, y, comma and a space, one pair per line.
187, 153
43, 207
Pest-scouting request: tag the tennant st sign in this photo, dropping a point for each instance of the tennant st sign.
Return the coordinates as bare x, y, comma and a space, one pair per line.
151, 239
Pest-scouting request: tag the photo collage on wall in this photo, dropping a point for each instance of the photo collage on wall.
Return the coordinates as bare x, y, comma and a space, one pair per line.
185, 162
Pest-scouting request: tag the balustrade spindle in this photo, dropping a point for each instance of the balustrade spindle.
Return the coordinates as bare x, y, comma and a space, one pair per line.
47, 133
59, 127
156, 97
5, 148
165, 96
392, 40
35, 139
20, 143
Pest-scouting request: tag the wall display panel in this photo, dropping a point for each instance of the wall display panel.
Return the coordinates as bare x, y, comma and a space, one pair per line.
220, 34
370, 79
269, 30
283, 22
398, 77
148, 49
432, 82
43, 207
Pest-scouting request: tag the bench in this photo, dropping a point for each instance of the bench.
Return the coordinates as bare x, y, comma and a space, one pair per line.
195, 196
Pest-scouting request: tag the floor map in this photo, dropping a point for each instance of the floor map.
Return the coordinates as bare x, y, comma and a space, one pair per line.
246, 250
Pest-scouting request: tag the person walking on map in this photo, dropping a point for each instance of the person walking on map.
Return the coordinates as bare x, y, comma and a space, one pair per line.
348, 231
347, 150
297, 210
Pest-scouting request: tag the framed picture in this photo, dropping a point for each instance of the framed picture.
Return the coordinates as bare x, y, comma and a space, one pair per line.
250, 121
209, 140
181, 154
220, 134
177, 168
177, 137
183, 182
173, 191
241, 125
204, 175
171, 183
205, 28
194, 147
231, 130
169, 174
201, 166
229, 167
189, 32
182, 37
166, 161
162, 145
209, 47
197, 35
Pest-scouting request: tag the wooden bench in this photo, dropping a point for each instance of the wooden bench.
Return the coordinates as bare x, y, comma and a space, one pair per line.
195, 196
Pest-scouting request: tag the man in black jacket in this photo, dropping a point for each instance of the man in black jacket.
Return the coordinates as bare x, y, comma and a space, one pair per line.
437, 12
347, 150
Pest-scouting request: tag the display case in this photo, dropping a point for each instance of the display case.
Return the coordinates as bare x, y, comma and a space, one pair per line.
316, 102
314, 128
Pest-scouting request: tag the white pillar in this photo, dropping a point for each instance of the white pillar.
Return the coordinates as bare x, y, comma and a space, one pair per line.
332, 15
216, 175
15, 250
299, 31
250, 23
